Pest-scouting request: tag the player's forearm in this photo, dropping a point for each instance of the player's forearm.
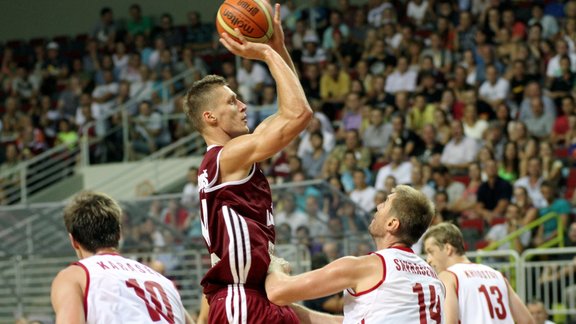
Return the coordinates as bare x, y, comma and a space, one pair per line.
292, 101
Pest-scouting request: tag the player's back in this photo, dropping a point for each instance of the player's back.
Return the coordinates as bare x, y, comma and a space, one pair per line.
482, 294
410, 292
121, 290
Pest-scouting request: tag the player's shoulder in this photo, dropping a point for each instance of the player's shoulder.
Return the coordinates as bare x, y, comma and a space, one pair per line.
73, 274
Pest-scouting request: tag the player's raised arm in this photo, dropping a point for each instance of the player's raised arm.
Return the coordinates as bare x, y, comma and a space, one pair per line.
281, 128
277, 40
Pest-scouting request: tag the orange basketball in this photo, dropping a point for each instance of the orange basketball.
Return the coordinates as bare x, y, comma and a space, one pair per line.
252, 17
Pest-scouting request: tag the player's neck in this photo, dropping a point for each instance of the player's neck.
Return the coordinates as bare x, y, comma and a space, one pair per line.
460, 259
83, 254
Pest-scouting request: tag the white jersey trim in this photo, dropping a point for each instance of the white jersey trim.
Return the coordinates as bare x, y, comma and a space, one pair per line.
211, 187
358, 294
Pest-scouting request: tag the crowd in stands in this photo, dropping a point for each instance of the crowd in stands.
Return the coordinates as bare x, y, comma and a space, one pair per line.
472, 102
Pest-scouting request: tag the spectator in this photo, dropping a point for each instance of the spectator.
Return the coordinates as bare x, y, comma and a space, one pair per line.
561, 124
199, 35
421, 113
465, 32
417, 181
401, 79
561, 85
377, 134
509, 166
474, 127
398, 167
190, 197
551, 165
336, 26
495, 90
352, 143
251, 77
312, 53
103, 100
315, 159
538, 312
493, 195
443, 182
403, 137
532, 182
548, 23
513, 222
317, 220
334, 86
66, 134
460, 151
465, 204
150, 132
351, 114
441, 57
554, 204
311, 81
349, 164
193, 63
138, 24
532, 91
362, 194
417, 12
539, 124
104, 31
170, 34
289, 214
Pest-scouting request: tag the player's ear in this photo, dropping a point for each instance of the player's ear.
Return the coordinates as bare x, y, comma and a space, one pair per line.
393, 224
73, 242
449, 249
209, 117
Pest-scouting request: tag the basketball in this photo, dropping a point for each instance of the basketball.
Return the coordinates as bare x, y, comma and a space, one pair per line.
252, 17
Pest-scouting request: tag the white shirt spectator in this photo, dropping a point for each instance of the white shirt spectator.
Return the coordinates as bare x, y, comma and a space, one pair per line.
497, 91
306, 147
190, 196
364, 198
375, 14
247, 81
417, 12
553, 68
295, 219
459, 153
401, 82
500, 231
533, 191
477, 130
402, 173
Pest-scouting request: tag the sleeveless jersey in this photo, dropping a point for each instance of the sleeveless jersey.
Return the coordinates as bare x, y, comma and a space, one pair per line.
119, 290
409, 292
482, 294
237, 226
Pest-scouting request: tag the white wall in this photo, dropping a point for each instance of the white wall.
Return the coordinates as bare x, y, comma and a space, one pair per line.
122, 180
25, 19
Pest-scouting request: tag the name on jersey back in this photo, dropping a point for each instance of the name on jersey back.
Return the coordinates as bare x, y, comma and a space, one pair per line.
136, 267
407, 266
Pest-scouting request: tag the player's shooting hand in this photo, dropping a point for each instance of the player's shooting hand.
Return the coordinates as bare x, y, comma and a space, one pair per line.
244, 48
279, 265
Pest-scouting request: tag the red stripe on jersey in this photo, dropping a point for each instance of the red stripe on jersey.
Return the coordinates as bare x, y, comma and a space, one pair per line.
379, 282
402, 248
86, 289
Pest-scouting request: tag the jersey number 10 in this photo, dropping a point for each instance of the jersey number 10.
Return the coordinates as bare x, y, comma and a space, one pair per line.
154, 306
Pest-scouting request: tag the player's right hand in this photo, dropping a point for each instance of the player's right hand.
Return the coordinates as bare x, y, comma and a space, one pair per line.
244, 48
278, 264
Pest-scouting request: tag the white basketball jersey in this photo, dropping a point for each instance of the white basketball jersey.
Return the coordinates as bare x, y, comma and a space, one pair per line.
482, 294
120, 290
410, 292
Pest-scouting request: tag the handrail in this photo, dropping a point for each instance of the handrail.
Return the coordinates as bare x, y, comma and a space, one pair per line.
558, 240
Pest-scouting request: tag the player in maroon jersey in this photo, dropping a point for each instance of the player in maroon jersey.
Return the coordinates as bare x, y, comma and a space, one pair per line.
235, 197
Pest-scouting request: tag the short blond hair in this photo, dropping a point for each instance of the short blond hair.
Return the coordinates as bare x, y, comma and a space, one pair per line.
198, 97
447, 233
414, 211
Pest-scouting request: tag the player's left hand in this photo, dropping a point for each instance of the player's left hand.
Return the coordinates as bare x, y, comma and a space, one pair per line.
277, 39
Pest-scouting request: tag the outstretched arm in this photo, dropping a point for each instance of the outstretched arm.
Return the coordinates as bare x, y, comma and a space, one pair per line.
347, 272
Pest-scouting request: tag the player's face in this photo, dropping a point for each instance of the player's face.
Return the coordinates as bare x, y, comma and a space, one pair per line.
435, 254
377, 227
230, 112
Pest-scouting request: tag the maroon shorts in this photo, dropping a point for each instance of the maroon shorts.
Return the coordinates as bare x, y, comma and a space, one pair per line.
239, 305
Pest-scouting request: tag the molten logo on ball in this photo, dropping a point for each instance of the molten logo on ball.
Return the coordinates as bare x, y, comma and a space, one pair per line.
237, 22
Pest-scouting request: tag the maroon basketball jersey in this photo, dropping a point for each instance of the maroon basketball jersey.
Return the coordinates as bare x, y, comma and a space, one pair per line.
237, 226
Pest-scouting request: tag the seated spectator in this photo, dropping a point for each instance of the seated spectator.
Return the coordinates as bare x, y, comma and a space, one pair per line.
443, 182
352, 143
66, 134
190, 61
539, 124
533, 90
538, 312
289, 214
554, 204
138, 24
362, 194
417, 181
168, 32
495, 89
104, 31
199, 35
443, 210
351, 114
349, 164
509, 166
513, 222
315, 160
251, 77
312, 52
317, 220
561, 124
421, 113
334, 86
474, 127
532, 182
551, 165
315, 125
460, 151
401, 79
377, 134
561, 86
190, 197
149, 132
493, 195
398, 167
465, 204
402, 136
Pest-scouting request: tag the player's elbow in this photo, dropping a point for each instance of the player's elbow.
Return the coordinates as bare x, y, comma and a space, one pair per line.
277, 297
